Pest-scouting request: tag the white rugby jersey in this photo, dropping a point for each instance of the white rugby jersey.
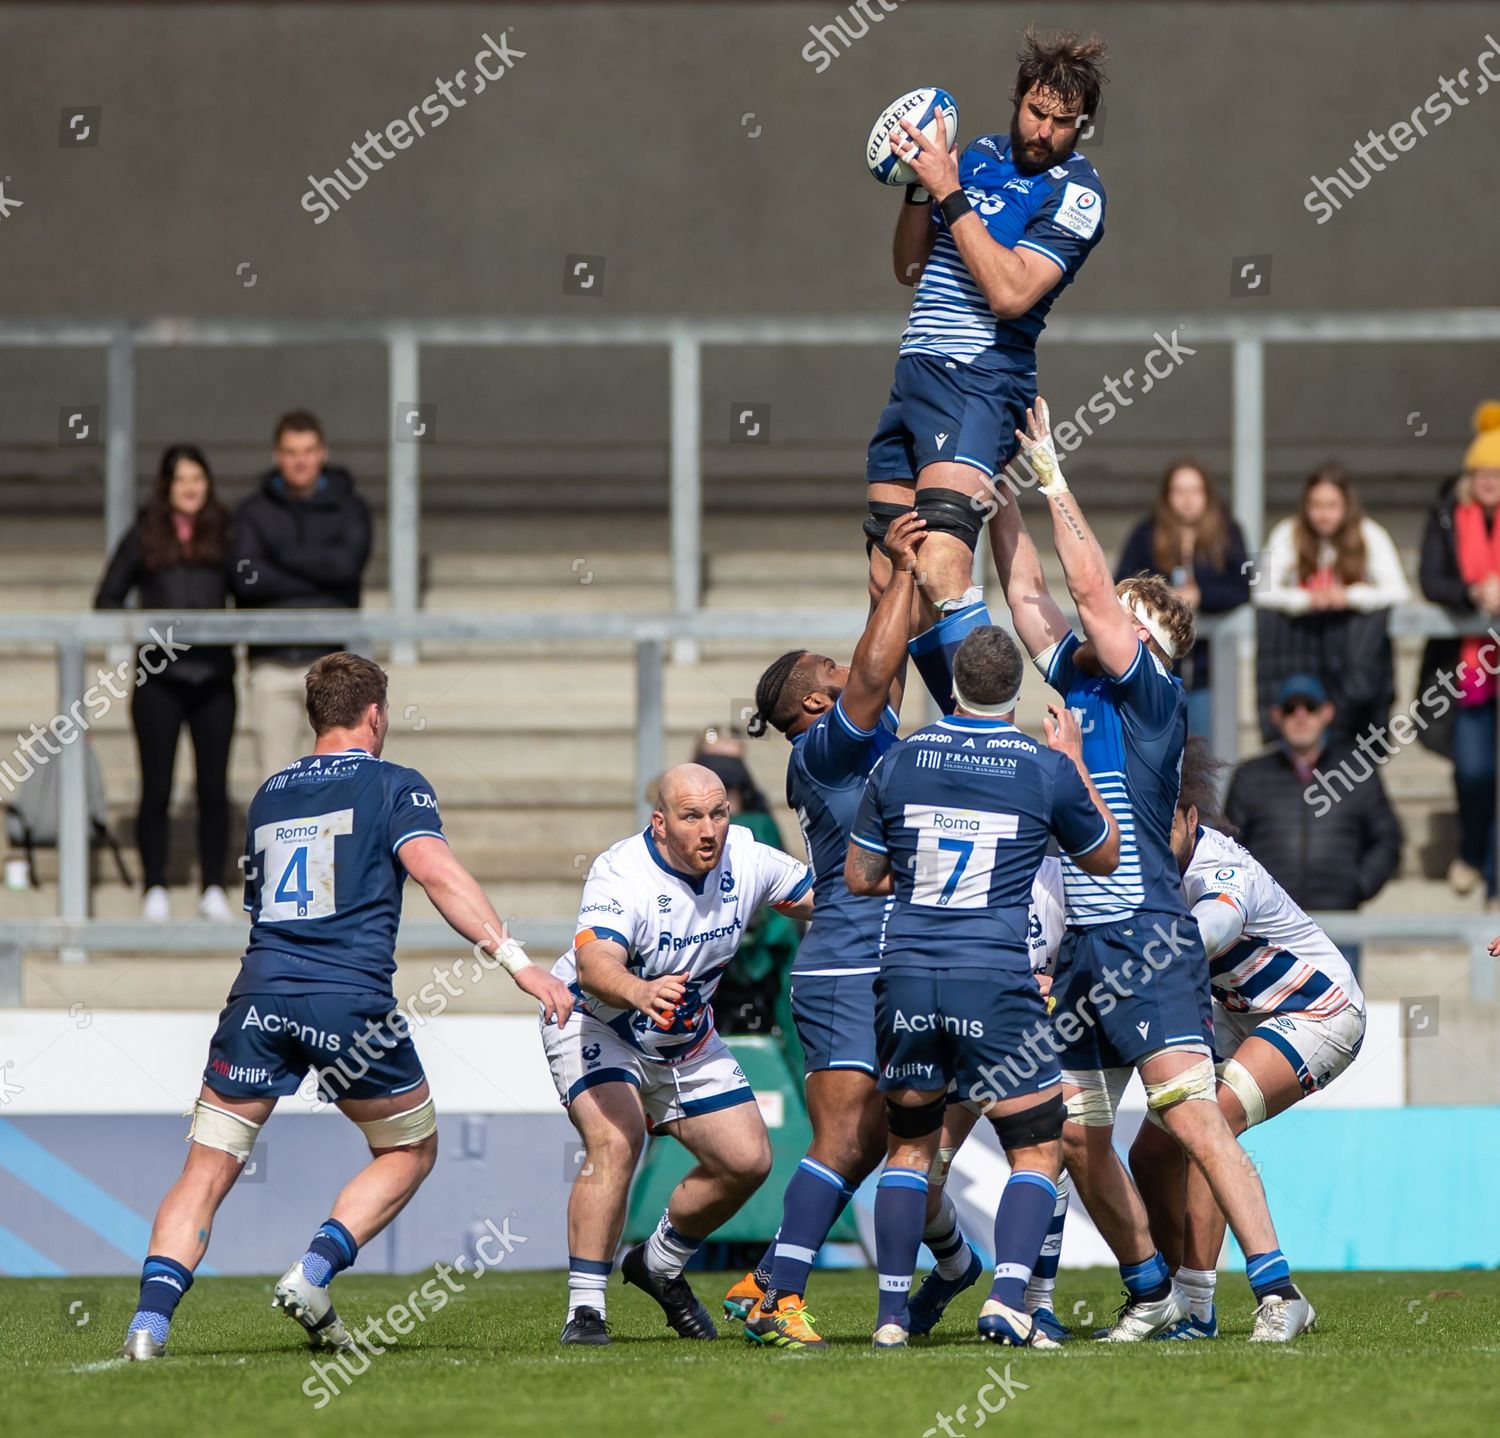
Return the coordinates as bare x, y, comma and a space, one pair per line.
671, 923
1276, 960
1048, 910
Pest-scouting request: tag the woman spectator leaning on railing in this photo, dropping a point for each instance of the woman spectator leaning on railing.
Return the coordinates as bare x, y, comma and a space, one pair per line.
1323, 591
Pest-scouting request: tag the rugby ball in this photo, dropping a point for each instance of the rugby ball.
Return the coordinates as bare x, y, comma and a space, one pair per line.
920, 108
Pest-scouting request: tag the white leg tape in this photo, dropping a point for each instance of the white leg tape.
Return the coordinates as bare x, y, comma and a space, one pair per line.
1098, 1097
1196, 1082
215, 1127
1241, 1083
401, 1130
937, 1170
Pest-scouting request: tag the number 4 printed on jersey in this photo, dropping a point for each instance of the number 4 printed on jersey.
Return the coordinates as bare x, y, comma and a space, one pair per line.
297, 871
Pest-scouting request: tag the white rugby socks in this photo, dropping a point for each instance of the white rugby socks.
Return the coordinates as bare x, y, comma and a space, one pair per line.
1197, 1286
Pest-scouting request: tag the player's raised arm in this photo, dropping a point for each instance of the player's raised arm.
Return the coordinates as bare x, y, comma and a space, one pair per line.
1039, 621
1087, 571
1012, 280
881, 651
457, 896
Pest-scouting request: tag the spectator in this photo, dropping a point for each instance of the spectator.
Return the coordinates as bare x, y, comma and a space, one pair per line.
1335, 848
1328, 579
1191, 539
301, 542
1461, 571
176, 555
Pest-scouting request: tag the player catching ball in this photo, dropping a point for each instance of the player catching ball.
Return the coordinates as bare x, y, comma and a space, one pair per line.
990, 238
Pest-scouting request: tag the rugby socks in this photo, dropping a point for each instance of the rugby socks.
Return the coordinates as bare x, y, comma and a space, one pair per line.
932, 651
946, 1243
1147, 1281
668, 1251
163, 1283
900, 1207
762, 1270
587, 1280
331, 1251
814, 1200
1026, 1209
1197, 1286
1044, 1276
1269, 1274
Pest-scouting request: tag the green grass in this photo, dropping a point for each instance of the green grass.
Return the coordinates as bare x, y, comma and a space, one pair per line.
1395, 1353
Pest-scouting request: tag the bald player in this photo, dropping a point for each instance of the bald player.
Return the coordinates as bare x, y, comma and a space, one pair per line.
662, 914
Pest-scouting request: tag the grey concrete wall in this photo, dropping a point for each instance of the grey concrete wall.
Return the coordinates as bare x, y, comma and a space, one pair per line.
620, 135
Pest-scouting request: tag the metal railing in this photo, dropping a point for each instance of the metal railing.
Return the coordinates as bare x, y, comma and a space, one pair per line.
71, 636
1247, 334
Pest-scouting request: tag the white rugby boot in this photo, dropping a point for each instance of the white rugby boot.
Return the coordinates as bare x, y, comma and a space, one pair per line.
140, 1346
1136, 1322
1279, 1320
301, 1299
1014, 1326
889, 1335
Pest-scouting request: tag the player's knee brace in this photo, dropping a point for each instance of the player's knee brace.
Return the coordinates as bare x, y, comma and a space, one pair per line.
916, 1122
1241, 1083
1098, 1097
216, 1127
951, 511
401, 1130
1041, 1123
1197, 1082
879, 520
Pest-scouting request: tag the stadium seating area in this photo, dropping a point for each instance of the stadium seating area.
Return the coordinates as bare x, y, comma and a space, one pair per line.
531, 747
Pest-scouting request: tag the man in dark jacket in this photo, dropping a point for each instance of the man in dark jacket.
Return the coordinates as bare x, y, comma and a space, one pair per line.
300, 542
1327, 853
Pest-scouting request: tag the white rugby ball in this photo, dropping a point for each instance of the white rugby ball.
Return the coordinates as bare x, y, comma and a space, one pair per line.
920, 108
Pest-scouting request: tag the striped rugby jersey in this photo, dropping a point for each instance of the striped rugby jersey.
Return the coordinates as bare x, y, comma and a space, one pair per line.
1282, 962
1058, 214
1134, 730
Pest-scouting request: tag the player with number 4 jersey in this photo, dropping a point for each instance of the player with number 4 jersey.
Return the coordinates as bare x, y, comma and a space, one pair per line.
331, 840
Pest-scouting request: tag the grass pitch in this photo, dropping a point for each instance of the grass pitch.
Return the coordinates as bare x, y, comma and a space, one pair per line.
1395, 1353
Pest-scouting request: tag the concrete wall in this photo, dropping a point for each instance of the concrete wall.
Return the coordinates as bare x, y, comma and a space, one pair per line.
713, 170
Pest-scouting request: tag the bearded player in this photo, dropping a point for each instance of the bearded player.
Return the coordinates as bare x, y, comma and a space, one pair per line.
990, 238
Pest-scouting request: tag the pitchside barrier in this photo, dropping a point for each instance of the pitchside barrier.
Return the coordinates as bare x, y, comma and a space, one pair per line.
1247, 335
71, 636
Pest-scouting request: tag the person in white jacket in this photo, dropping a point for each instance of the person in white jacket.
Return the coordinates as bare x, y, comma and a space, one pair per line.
1322, 586
1330, 555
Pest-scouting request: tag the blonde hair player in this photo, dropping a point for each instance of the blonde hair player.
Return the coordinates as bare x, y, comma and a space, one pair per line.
1132, 979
